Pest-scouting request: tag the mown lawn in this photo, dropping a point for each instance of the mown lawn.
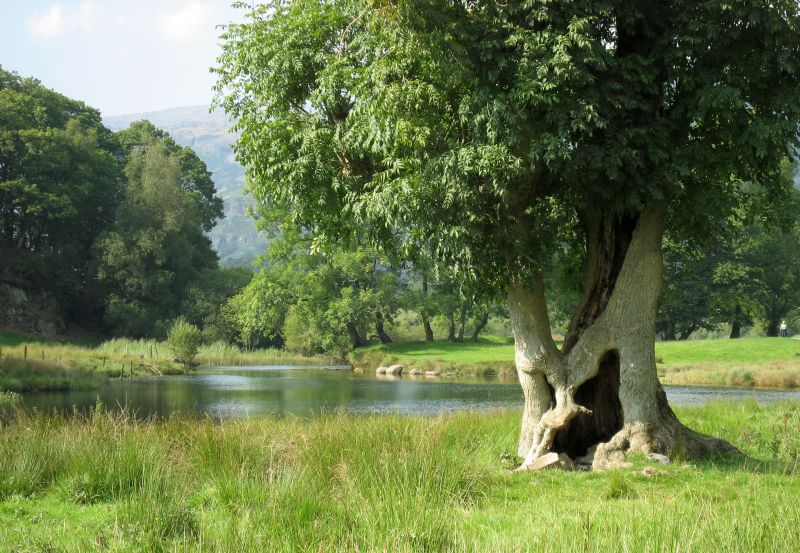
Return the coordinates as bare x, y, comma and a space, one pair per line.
383, 483
764, 362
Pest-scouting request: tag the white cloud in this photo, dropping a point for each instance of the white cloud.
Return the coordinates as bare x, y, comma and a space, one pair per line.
56, 20
46, 25
192, 22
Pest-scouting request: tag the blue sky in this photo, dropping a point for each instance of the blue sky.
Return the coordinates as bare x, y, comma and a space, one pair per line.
120, 56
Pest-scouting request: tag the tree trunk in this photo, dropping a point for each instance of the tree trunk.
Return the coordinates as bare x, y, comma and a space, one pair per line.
772, 328
736, 329
382, 336
462, 322
451, 328
356, 341
601, 388
669, 332
482, 322
426, 323
686, 332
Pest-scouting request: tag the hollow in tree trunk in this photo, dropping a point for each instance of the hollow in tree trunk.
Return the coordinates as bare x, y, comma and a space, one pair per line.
379, 330
601, 388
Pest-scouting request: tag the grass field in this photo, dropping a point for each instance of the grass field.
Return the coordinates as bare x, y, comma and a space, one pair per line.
383, 483
763, 362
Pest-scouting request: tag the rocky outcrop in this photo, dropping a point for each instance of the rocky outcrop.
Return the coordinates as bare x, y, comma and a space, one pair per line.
31, 312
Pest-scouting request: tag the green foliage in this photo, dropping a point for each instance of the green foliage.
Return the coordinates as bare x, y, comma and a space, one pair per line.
157, 244
494, 132
184, 340
58, 188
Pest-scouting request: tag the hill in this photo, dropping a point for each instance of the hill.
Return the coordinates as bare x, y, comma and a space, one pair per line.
235, 237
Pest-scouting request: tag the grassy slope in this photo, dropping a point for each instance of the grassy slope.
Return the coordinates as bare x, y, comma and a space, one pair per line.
344, 483
746, 362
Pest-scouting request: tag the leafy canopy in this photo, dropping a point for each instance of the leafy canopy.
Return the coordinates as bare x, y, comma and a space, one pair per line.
491, 130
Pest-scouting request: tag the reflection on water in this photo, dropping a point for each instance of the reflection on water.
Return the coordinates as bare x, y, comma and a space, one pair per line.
231, 392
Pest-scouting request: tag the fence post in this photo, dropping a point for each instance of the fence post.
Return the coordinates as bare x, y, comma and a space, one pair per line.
26, 353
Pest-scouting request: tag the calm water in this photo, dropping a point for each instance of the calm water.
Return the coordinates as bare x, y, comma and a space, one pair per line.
230, 392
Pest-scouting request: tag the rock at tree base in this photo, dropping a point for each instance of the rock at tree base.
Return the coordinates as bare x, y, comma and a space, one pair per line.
394, 369
663, 459
380, 370
552, 460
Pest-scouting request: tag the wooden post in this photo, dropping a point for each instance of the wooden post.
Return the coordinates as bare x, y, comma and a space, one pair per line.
104, 361
151, 352
122, 372
131, 373
42, 355
26, 353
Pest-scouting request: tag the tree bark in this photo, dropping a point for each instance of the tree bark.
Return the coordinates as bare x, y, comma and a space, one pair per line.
482, 322
356, 341
379, 330
736, 329
462, 316
669, 332
451, 328
601, 388
426, 323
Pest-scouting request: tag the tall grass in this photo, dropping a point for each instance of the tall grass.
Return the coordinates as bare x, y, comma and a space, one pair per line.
374, 483
49, 366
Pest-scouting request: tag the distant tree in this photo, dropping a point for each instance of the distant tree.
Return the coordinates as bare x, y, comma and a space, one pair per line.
157, 244
205, 298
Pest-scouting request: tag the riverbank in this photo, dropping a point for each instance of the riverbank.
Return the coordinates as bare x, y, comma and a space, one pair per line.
29, 365
747, 362
347, 483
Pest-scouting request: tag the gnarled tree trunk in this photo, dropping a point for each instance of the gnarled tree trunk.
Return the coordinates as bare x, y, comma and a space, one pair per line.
601, 388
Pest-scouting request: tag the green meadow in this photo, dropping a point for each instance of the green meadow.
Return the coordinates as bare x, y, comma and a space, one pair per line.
383, 483
749, 362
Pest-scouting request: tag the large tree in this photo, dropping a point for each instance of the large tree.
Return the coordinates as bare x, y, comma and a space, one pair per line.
511, 135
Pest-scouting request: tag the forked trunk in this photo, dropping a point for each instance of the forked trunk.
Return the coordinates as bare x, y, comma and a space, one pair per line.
379, 330
601, 389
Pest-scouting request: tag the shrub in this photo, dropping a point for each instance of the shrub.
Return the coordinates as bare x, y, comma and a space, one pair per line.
184, 340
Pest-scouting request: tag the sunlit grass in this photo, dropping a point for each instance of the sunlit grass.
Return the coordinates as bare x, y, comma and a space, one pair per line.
382, 483
748, 362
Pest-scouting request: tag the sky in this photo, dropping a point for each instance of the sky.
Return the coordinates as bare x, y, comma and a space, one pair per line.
120, 56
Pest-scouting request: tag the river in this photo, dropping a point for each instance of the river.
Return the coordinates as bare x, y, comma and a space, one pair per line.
235, 392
